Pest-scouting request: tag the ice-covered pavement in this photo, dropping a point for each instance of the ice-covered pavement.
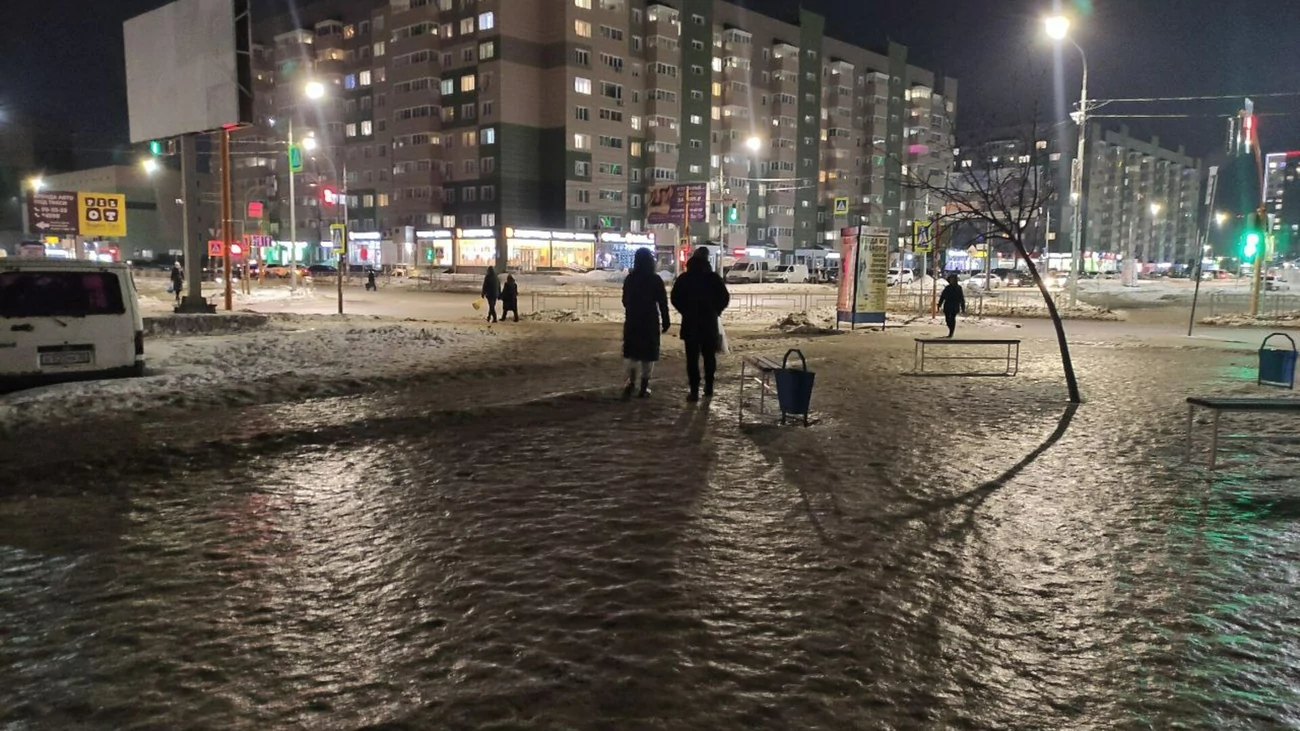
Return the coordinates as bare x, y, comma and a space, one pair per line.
521, 549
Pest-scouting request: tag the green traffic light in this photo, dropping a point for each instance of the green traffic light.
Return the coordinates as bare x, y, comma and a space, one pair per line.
1252, 245
155, 147
733, 214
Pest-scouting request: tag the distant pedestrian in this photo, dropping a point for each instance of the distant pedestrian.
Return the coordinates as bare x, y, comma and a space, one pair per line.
510, 298
491, 292
953, 300
370, 281
645, 316
700, 296
178, 280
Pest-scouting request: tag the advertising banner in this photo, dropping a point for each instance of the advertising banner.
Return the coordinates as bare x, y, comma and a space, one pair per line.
864, 272
101, 214
668, 203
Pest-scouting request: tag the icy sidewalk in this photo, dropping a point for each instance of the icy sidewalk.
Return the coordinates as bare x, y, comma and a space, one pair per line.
296, 357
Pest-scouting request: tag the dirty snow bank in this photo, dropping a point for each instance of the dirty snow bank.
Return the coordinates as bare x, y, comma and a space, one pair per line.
1284, 320
296, 357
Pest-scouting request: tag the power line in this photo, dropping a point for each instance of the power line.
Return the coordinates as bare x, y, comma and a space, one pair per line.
1196, 98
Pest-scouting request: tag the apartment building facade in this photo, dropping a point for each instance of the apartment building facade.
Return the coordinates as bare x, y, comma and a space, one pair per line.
1282, 200
1141, 198
487, 115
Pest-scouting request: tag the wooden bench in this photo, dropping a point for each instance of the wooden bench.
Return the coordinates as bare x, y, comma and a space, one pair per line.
1239, 405
1011, 357
758, 368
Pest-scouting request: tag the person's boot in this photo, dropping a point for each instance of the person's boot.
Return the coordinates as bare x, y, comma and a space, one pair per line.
708, 387
694, 396
645, 388
630, 385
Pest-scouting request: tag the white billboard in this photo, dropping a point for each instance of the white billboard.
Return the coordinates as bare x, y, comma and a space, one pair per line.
187, 68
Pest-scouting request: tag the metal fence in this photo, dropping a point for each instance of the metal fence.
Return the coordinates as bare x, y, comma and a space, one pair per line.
1270, 303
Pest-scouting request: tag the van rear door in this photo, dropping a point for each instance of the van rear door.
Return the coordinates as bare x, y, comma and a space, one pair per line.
59, 322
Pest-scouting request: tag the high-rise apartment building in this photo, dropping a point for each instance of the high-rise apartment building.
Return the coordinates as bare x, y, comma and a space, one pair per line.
483, 116
1142, 195
1282, 200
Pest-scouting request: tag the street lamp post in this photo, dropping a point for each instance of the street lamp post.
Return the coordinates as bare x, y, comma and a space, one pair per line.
314, 90
1058, 28
310, 144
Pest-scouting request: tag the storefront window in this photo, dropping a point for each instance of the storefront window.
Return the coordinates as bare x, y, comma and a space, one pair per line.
573, 254
528, 255
476, 252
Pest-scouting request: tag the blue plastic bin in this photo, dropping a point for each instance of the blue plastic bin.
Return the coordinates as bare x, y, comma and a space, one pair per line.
794, 387
1277, 367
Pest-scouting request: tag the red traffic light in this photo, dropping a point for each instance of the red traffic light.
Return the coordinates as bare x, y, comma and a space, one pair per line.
329, 196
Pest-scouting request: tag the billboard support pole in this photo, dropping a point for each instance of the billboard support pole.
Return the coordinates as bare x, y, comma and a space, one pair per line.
227, 230
193, 301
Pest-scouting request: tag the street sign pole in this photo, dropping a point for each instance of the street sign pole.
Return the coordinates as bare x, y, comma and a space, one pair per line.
227, 230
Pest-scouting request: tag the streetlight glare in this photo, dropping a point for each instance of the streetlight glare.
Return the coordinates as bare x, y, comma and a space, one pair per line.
753, 143
1155, 209
314, 90
309, 144
150, 165
37, 183
1058, 27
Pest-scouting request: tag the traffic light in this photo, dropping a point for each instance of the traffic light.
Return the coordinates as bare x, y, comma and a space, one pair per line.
733, 214
1252, 237
155, 147
328, 196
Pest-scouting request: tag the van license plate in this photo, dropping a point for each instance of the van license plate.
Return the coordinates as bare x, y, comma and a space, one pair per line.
63, 359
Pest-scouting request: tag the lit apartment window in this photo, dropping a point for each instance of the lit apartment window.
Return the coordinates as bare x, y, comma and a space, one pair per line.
469, 139
697, 119
487, 21
582, 169
379, 48
466, 26
581, 85
489, 136
582, 28
364, 78
367, 128
581, 142
448, 86
584, 4
351, 130
487, 50
467, 82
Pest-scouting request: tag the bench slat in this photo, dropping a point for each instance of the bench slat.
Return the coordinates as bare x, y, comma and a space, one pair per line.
958, 341
763, 363
1228, 403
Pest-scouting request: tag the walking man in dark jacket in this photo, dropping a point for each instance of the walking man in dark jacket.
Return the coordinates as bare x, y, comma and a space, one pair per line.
491, 292
645, 316
953, 300
510, 298
700, 296
178, 280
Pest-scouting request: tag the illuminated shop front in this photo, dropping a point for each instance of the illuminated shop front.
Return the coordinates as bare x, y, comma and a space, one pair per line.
365, 248
476, 247
616, 250
435, 247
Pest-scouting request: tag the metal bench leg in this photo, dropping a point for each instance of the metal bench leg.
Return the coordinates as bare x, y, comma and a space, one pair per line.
1191, 411
740, 417
1214, 441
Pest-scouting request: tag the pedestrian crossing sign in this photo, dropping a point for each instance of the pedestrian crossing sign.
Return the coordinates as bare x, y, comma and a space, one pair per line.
922, 243
841, 206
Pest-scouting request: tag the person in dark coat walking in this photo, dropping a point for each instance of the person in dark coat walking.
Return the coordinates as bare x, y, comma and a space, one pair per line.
953, 300
645, 316
510, 298
491, 292
700, 296
178, 280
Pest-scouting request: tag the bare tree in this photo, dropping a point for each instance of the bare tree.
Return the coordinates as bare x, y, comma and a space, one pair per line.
997, 187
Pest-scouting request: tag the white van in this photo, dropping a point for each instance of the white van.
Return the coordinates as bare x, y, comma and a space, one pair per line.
67, 321
752, 269
791, 274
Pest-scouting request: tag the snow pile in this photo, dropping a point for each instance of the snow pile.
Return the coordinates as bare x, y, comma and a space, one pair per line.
801, 323
1035, 307
331, 358
572, 316
1285, 320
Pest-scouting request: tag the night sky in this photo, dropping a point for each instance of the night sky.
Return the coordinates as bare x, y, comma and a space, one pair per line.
62, 59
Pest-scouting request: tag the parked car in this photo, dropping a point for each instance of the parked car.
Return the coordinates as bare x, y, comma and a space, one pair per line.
790, 274
281, 271
1014, 277
322, 270
979, 280
67, 320
899, 276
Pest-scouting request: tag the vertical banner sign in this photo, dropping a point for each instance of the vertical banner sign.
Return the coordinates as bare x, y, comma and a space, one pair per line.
848, 272
101, 214
873, 276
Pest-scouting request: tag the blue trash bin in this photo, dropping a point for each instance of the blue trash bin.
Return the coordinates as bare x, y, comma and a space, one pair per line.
1277, 367
794, 387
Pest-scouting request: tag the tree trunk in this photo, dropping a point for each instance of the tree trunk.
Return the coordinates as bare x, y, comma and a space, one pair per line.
1071, 382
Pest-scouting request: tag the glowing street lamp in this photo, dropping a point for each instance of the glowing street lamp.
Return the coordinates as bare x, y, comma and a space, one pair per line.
150, 165
37, 184
1058, 29
754, 143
